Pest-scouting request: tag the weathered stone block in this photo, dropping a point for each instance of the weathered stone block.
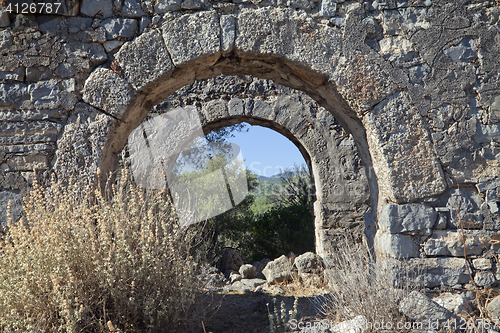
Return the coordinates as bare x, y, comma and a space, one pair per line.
248, 271
193, 36
215, 109
280, 32
106, 90
421, 308
163, 6
411, 218
76, 54
406, 166
144, 60
489, 185
45, 94
5, 39
132, 8
28, 162
13, 95
493, 308
120, 27
278, 270
395, 246
482, 264
433, 272
484, 278
80, 147
228, 30
309, 263
449, 243
459, 304
28, 132
328, 8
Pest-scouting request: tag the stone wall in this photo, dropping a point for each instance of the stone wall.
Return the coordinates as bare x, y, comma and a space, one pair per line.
413, 84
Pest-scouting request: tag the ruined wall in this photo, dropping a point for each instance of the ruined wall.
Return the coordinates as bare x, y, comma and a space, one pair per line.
414, 83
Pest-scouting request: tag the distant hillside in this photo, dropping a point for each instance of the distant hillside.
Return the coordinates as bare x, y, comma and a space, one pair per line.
271, 179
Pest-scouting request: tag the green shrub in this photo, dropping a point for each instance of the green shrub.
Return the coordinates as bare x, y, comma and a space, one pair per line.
85, 263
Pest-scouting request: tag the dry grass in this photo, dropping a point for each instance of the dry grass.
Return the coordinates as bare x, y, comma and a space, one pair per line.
84, 263
365, 288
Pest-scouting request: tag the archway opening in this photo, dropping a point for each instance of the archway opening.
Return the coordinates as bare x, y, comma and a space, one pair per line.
330, 153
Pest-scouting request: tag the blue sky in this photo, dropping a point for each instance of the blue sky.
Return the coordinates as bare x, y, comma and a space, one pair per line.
265, 151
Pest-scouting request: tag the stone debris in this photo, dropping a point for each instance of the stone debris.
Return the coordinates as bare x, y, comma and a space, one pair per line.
278, 270
459, 304
419, 307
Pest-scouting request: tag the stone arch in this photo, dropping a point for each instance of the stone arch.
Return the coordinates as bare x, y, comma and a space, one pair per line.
292, 49
340, 179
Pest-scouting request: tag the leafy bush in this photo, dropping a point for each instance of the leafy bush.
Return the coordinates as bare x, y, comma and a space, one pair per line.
85, 263
280, 230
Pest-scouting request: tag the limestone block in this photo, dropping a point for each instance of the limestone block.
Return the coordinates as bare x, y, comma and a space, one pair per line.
83, 55
410, 218
403, 155
484, 278
132, 8
106, 90
45, 94
482, 264
28, 132
80, 147
395, 45
215, 109
120, 27
459, 304
303, 4
236, 107
262, 109
92, 8
144, 23
144, 59
13, 95
493, 308
395, 246
487, 133
111, 45
278, 270
328, 8
489, 185
29, 162
192, 4
193, 36
163, 6
228, 30
421, 308
432, 272
449, 243
287, 33
248, 271
309, 263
